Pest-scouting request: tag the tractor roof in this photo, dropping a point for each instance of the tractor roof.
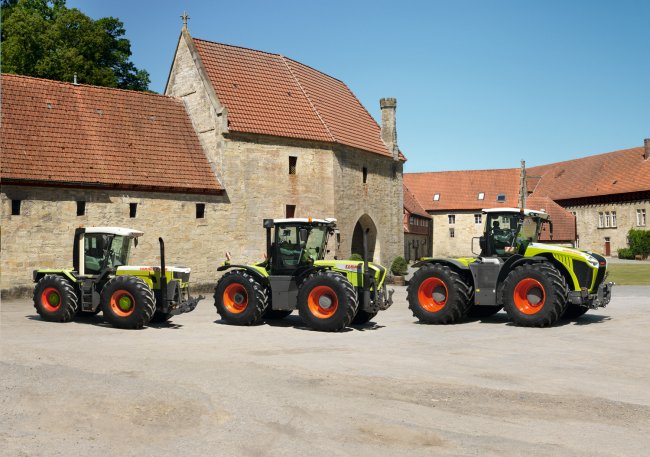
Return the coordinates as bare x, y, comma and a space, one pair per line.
115, 231
527, 212
305, 220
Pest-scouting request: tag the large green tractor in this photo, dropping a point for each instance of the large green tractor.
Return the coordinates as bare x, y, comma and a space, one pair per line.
101, 280
329, 294
536, 283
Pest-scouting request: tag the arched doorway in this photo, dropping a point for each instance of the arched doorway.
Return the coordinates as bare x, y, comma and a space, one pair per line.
365, 222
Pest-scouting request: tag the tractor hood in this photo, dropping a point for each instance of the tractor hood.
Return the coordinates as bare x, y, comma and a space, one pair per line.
586, 255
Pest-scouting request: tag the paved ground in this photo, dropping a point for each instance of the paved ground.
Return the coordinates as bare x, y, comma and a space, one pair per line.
197, 387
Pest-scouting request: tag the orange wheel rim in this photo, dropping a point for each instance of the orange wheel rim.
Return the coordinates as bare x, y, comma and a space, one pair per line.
235, 298
322, 302
529, 296
122, 303
433, 294
51, 299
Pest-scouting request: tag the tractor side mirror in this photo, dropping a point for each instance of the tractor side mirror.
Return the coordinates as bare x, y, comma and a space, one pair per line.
135, 242
481, 243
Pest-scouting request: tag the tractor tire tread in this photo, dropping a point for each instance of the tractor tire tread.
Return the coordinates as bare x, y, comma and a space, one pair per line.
69, 300
142, 294
260, 298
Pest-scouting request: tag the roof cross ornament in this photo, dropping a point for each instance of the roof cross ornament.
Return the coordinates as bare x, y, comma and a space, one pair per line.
185, 17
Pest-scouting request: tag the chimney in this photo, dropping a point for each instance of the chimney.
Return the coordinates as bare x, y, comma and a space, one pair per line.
646, 143
388, 125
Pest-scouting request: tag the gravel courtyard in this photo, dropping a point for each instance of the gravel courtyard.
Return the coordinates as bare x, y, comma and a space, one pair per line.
197, 387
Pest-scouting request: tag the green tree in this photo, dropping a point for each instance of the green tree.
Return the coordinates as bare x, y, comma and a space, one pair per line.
44, 38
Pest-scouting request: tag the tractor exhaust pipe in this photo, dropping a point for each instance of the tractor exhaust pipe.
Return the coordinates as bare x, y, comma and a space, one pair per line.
366, 270
163, 274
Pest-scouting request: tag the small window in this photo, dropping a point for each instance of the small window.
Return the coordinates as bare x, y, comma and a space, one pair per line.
15, 207
365, 175
452, 233
501, 197
614, 219
81, 208
640, 217
601, 219
608, 219
436, 197
478, 218
292, 164
200, 210
290, 211
452, 218
481, 195
133, 209
412, 220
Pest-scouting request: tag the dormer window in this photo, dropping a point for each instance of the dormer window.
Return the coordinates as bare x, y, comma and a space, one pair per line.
501, 198
481, 195
436, 197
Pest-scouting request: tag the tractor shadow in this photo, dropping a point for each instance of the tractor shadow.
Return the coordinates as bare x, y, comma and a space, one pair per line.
501, 318
98, 321
294, 321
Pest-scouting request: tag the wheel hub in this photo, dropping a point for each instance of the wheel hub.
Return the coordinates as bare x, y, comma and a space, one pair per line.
239, 298
534, 296
324, 302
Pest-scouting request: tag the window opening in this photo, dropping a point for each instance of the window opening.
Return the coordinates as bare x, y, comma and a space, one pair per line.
200, 210
15, 207
290, 211
81, 208
133, 208
293, 160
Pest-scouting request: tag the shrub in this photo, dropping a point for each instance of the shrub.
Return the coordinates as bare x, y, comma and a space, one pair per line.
355, 256
399, 266
639, 242
625, 253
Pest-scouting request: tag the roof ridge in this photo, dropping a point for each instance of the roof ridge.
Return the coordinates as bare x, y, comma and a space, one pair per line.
92, 86
304, 92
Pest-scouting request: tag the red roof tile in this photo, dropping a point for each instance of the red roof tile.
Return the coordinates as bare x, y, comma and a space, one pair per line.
272, 95
54, 132
459, 190
603, 174
564, 223
412, 205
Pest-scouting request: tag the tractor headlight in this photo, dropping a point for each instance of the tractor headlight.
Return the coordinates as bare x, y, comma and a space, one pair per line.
592, 261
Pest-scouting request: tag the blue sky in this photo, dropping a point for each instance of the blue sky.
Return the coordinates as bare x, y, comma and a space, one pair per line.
479, 83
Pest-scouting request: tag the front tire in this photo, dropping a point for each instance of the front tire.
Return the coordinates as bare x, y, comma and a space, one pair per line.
55, 299
240, 299
127, 302
535, 295
438, 295
327, 301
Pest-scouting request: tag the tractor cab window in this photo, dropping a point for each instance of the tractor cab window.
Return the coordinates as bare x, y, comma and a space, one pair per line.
289, 246
501, 230
316, 244
96, 247
103, 251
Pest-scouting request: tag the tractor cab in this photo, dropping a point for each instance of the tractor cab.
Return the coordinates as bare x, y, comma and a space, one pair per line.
98, 250
296, 243
509, 231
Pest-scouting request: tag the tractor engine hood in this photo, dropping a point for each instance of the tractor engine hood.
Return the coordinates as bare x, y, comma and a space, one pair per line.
586, 255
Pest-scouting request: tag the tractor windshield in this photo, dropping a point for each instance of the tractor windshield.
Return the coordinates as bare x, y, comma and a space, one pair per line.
120, 248
316, 243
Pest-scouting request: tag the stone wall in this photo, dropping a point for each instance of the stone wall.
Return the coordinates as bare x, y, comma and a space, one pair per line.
465, 228
592, 237
380, 198
41, 236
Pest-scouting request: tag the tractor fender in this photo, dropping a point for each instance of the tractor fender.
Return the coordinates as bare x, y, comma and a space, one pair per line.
451, 263
67, 274
254, 271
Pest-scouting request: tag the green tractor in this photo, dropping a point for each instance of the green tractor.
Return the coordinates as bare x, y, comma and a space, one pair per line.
329, 294
536, 283
100, 280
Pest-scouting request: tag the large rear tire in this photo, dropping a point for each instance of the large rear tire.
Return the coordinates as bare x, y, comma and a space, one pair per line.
535, 295
55, 299
327, 301
438, 295
240, 299
127, 302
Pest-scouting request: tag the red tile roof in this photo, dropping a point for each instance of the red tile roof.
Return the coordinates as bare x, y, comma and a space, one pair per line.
564, 223
615, 172
54, 132
272, 95
459, 190
412, 205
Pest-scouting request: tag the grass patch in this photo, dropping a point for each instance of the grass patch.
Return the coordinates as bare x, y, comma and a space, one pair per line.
629, 274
